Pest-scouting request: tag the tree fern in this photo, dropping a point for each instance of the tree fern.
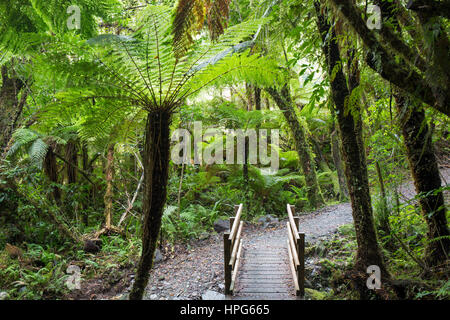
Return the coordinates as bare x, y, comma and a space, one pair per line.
143, 72
31, 142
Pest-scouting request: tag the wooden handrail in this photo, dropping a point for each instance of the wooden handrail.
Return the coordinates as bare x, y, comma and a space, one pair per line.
236, 267
296, 250
236, 223
232, 249
292, 246
236, 244
292, 222
291, 265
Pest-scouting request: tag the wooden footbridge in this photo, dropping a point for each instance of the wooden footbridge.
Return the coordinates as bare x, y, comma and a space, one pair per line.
269, 270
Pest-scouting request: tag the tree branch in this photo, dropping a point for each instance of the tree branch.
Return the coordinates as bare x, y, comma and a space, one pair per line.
430, 8
385, 63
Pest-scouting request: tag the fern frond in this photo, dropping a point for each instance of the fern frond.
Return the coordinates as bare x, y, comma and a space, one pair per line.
37, 152
22, 138
218, 13
188, 20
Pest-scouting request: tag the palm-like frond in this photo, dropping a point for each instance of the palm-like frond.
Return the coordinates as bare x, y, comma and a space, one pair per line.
32, 142
189, 18
120, 78
22, 138
37, 152
218, 12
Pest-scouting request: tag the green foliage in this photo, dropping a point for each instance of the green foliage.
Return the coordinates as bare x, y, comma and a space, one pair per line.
192, 222
96, 86
441, 293
44, 278
27, 25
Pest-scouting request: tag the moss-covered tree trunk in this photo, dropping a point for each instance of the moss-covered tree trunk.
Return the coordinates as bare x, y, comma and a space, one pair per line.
285, 103
156, 171
383, 217
10, 111
257, 98
71, 155
418, 136
51, 170
109, 176
10, 105
336, 153
425, 172
85, 166
355, 168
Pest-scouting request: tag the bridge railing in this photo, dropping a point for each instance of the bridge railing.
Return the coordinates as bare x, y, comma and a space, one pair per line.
232, 245
296, 250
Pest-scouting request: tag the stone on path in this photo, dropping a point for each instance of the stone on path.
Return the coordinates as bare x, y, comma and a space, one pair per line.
213, 295
158, 256
221, 225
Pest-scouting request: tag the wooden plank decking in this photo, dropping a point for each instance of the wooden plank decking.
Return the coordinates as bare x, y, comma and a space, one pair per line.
265, 274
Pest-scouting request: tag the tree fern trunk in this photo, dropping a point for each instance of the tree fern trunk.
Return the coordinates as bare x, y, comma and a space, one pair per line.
72, 157
51, 170
257, 98
156, 169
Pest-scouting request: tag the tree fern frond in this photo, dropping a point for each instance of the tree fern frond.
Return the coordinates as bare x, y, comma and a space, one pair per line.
188, 20
218, 13
262, 71
22, 138
37, 152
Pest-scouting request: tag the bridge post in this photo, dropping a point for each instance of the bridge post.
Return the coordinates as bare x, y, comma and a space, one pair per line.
226, 262
301, 267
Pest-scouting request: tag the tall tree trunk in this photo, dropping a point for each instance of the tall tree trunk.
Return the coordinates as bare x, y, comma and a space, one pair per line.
250, 104
71, 172
51, 170
85, 165
355, 168
72, 157
257, 98
418, 138
10, 106
267, 103
425, 172
245, 165
250, 96
383, 217
336, 153
285, 103
156, 171
10, 112
109, 176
